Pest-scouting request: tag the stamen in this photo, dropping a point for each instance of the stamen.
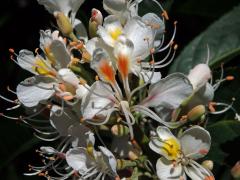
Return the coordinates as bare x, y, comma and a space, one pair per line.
11, 50
171, 40
227, 78
146, 111
8, 88
9, 100
165, 15
149, 80
226, 107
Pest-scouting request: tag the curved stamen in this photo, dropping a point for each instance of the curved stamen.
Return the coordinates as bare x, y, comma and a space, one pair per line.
145, 84
146, 111
171, 40
109, 113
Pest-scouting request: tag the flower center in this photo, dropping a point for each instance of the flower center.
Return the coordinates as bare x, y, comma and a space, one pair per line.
172, 147
116, 33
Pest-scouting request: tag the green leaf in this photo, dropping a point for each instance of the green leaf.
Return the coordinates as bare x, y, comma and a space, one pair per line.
204, 8
222, 132
223, 39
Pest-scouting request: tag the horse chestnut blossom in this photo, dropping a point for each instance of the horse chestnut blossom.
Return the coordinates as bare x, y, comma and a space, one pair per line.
179, 154
97, 96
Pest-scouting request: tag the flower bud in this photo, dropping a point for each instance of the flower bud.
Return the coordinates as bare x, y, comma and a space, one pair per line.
95, 20
64, 23
119, 130
235, 171
199, 76
208, 164
196, 113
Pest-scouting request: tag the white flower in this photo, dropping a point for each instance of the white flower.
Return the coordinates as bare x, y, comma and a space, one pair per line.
106, 97
92, 164
66, 6
179, 154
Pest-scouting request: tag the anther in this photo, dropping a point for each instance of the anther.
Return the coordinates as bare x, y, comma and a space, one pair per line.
36, 50
211, 106
229, 78
81, 120
138, 60
175, 47
82, 82
152, 50
165, 15
73, 43
97, 78
11, 50
151, 62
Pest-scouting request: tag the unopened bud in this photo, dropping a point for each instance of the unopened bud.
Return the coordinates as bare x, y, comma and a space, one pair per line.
119, 130
196, 113
64, 23
235, 171
208, 164
95, 20
133, 155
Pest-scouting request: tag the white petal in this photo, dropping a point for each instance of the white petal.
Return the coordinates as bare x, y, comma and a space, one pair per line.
93, 105
162, 143
109, 159
199, 75
64, 6
80, 30
146, 76
164, 133
81, 91
45, 38
114, 6
96, 43
196, 172
78, 159
203, 96
167, 171
48, 150
169, 92
26, 60
141, 35
110, 30
68, 76
30, 94
158, 26
60, 53
196, 142
123, 47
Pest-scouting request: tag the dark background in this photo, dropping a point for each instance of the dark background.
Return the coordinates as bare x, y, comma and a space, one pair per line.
20, 22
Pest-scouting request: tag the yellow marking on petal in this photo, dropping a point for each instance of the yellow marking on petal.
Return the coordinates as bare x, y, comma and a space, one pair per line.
172, 148
50, 55
41, 68
116, 33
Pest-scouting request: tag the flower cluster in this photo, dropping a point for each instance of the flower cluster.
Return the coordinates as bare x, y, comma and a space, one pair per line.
99, 95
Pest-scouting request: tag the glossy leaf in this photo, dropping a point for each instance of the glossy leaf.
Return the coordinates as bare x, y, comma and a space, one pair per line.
222, 132
223, 39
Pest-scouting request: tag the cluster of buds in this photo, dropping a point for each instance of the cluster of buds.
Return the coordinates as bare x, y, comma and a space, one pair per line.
99, 94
